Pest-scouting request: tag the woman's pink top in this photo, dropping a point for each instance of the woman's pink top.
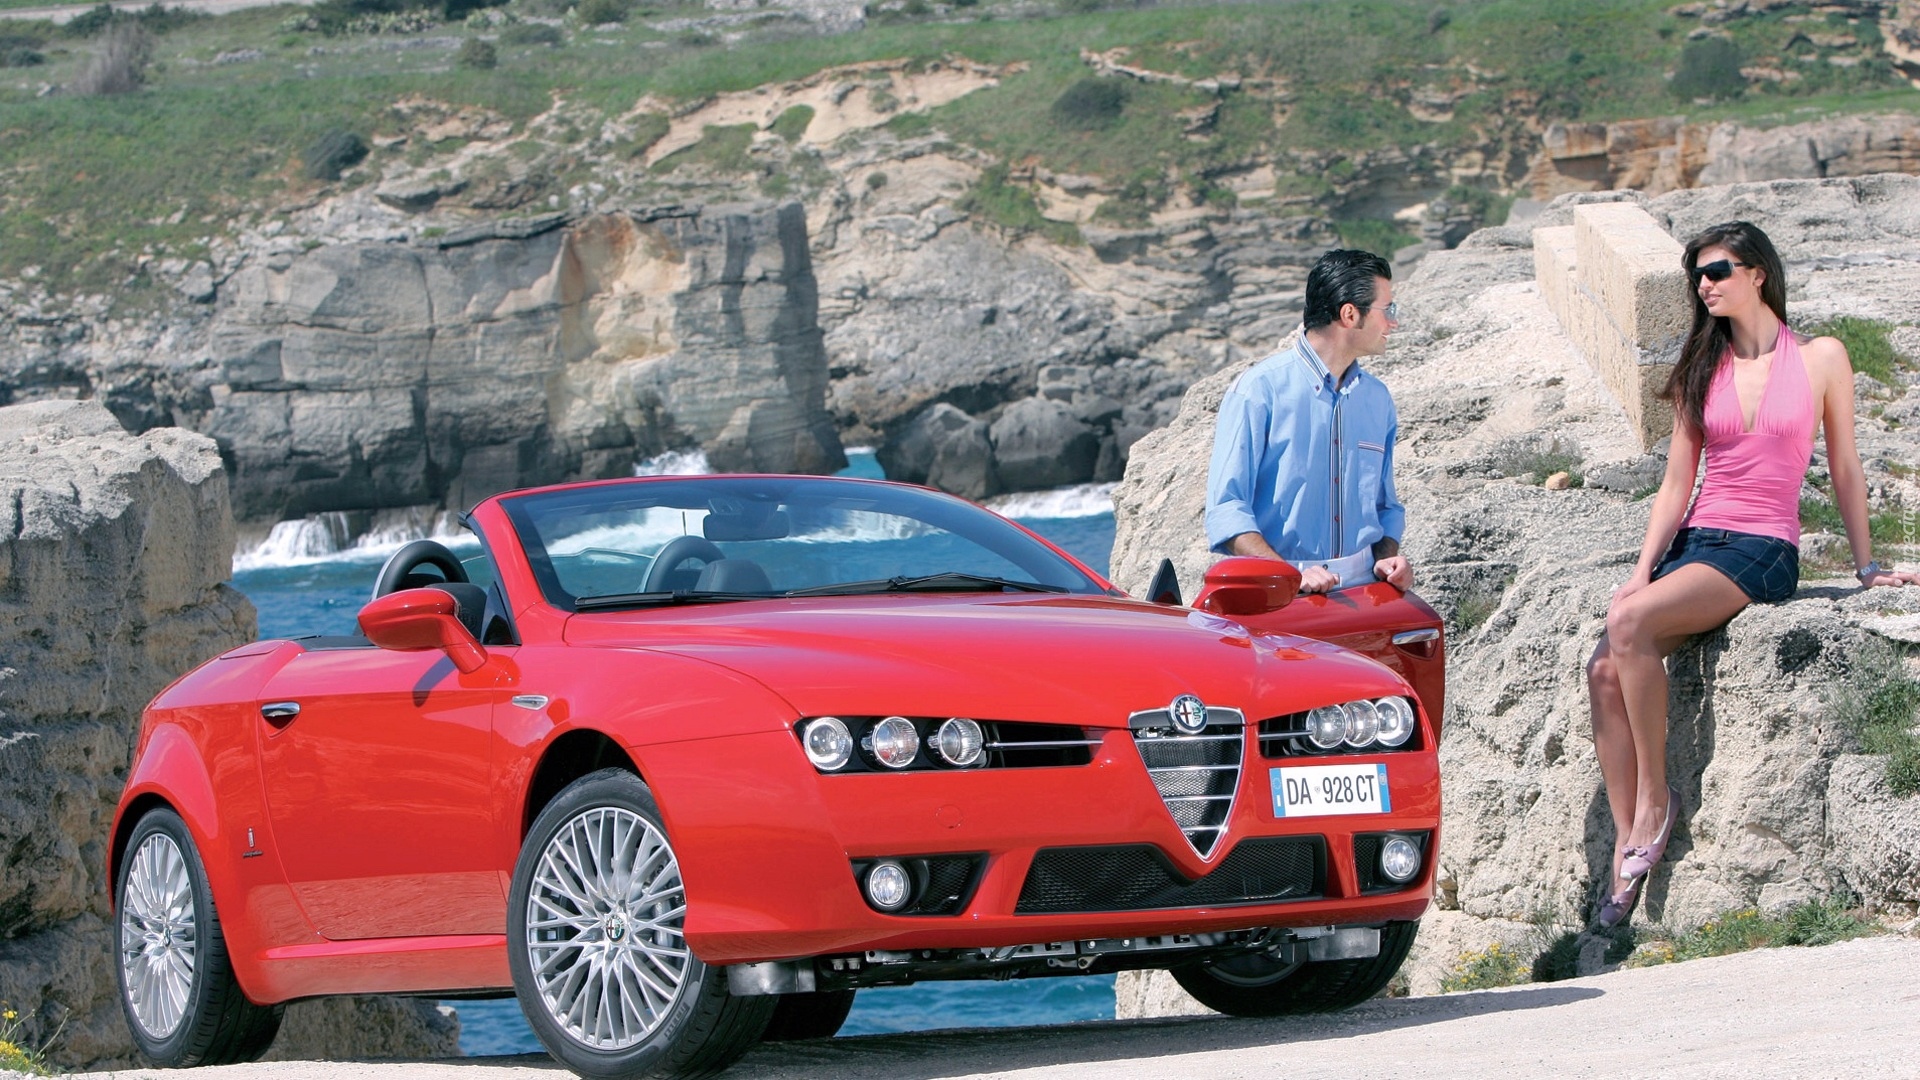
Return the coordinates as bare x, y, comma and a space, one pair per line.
1753, 477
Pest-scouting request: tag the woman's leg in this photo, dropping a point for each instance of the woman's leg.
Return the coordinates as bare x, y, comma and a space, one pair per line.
1641, 632
1613, 746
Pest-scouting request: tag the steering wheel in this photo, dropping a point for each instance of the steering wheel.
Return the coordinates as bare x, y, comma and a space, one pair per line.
677, 551
413, 556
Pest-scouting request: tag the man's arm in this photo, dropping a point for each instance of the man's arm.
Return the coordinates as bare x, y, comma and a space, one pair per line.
1239, 437
1388, 564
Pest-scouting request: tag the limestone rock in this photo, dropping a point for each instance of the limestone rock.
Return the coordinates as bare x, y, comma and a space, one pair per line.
115, 551
1039, 443
946, 448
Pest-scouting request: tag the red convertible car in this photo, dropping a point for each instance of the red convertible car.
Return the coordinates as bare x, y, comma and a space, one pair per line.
684, 763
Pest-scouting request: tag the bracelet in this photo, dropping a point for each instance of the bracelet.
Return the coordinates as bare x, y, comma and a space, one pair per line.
1873, 567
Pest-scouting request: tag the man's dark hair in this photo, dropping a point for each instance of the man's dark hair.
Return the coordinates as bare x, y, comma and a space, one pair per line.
1342, 277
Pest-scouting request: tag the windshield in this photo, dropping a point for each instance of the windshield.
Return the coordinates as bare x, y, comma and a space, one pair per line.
711, 538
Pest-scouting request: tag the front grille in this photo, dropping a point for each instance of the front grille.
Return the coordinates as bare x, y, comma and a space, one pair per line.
1366, 861
1196, 776
1138, 877
942, 884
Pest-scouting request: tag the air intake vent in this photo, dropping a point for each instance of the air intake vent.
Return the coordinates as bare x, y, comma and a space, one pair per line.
1196, 775
1139, 878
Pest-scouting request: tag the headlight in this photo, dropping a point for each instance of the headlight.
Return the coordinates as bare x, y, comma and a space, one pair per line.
888, 886
1396, 721
1327, 726
959, 742
1399, 859
829, 744
1363, 723
894, 742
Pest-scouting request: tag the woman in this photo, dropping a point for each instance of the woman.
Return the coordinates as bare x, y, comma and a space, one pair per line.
1749, 391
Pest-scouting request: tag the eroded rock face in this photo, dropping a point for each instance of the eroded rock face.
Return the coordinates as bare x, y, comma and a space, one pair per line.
115, 551
1778, 804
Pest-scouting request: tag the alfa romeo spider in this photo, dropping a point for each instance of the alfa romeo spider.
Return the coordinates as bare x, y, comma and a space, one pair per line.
685, 763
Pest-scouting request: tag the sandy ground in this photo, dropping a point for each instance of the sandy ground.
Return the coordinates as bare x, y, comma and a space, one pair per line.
61, 13
1846, 1010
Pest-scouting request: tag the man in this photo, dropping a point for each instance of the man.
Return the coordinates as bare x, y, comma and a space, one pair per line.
1302, 465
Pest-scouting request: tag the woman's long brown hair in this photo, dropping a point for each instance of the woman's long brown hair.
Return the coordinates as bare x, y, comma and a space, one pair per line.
1707, 342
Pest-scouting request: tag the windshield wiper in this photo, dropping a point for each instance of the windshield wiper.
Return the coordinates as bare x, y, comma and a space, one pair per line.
664, 599
951, 581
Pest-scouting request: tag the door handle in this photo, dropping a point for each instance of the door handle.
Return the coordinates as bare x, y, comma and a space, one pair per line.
280, 713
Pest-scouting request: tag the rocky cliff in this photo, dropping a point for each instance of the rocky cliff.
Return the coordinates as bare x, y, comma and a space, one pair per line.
373, 373
1779, 804
114, 557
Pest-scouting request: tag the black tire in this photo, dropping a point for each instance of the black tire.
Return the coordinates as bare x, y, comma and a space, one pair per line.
1240, 987
696, 1030
209, 1020
817, 1015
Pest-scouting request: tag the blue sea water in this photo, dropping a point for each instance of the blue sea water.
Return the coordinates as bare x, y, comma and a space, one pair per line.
322, 596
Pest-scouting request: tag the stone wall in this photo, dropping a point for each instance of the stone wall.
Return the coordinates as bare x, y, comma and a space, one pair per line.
1614, 280
1778, 803
114, 557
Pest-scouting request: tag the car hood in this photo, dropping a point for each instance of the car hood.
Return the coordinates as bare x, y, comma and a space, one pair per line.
1082, 660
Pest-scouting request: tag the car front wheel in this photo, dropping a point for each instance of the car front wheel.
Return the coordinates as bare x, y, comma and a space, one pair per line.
599, 955
1261, 985
176, 982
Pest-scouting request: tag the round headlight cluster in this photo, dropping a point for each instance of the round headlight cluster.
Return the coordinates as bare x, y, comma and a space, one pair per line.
829, 743
893, 742
1386, 722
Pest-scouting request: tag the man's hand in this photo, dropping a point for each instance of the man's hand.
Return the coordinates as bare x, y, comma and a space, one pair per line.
1395, 571
1318, 579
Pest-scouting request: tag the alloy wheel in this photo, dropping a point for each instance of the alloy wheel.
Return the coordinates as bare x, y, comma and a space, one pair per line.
605, 928
159, 936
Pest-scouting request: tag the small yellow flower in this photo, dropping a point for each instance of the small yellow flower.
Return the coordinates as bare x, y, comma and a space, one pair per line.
9, 1015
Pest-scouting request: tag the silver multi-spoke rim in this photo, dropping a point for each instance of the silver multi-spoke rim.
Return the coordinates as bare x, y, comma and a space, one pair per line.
604, 928
159, 936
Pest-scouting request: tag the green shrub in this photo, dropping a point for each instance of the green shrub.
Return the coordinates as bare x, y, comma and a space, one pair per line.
648, 128
1879, 704
531, 34
1534, 461
1486, 969
1868, 346
20, 56
1378, 235
478, 54
792, 124
1709, 68
1437, 20
333, 153
120, 67
1012, 206
1090, 104
1816, 922
601, 12
876, 181
722, 148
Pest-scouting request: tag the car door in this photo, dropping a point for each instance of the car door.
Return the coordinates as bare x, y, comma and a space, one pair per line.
377, 773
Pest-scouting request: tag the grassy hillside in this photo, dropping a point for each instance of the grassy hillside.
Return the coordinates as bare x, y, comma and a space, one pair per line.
91, 184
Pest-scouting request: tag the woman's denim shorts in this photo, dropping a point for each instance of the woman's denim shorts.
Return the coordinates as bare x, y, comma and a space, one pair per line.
1766, 568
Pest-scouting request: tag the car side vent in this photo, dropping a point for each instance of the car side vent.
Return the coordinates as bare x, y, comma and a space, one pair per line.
1196, 775
1012, 745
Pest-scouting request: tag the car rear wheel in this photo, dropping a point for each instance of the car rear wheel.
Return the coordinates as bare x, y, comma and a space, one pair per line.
816, 1015
176, 982
599, 956
1264, 986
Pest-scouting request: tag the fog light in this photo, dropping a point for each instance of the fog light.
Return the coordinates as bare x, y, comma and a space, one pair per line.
1399, 859
894, 742
1396, 721
1363, 723
829, 744
888, 886
1327, 726
959, 742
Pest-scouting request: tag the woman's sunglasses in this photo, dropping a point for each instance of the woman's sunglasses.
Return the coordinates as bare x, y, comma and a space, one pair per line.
1718, 270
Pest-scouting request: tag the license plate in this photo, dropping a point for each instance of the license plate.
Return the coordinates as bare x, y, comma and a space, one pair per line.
1318, 790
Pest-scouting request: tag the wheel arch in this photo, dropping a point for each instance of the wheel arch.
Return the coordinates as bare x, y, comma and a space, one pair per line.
170, 774
568, 758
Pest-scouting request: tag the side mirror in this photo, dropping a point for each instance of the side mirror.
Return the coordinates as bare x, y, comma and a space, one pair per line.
414, 620
1248, 586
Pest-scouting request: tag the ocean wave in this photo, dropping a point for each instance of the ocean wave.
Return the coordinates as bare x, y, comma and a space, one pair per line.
331, 536
1074, 501
675, 463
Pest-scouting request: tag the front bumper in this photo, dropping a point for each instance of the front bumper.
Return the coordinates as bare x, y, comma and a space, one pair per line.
767, 844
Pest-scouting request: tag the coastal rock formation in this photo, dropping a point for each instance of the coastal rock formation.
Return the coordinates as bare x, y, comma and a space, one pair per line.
1661, 154
376, 374
114, 556
1778, 802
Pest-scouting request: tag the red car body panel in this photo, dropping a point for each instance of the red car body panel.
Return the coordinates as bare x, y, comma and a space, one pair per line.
366, 845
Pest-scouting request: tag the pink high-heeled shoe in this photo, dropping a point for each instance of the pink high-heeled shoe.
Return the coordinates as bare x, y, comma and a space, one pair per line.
1640, 861
1617, 906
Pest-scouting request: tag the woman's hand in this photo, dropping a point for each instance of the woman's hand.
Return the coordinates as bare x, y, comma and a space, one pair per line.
1895, 578
1640, 580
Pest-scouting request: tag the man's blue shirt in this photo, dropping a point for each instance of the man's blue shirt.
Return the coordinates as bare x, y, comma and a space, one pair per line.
1283, 427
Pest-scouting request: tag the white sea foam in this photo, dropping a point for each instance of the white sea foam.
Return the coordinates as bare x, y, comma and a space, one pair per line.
1075, 501
675, 463
330, 536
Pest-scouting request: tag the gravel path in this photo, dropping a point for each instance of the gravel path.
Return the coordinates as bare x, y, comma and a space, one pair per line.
61, 13
1844, 1010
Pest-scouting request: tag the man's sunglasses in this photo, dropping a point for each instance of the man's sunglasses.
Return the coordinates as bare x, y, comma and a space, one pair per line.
1393, 310
1718, 270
